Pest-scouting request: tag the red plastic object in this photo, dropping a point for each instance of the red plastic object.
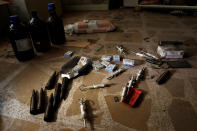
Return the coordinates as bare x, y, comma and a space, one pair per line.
132, 97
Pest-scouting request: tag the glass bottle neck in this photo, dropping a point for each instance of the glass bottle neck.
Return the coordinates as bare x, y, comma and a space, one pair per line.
52, 12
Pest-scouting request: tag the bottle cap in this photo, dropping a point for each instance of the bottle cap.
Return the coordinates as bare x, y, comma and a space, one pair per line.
51, 6
14, 19
34, 13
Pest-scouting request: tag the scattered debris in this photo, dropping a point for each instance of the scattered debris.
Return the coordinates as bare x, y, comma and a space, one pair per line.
68, 54
129, 94
128, 62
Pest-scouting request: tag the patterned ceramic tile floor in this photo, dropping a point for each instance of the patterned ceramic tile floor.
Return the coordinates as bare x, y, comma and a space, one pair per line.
170, 107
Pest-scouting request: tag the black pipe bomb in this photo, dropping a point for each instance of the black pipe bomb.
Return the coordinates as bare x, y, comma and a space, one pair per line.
52, 81
163, 77
49, 113
64, 90
33, 103
41, 101
57, 95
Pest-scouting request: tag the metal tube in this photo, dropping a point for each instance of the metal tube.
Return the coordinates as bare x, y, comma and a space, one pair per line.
83, 111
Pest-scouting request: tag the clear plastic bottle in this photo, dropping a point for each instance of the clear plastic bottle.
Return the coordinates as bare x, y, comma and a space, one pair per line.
20, 39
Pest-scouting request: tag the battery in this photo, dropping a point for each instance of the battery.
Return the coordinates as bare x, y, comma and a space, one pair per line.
116, 58
106, 58
68, 54
128, 62
111, 67
97, 65
105, 63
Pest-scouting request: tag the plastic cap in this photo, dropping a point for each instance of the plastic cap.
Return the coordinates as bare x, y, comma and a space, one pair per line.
51, 6
14, 19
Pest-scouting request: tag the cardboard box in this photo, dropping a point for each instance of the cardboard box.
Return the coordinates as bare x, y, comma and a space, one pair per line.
170, 49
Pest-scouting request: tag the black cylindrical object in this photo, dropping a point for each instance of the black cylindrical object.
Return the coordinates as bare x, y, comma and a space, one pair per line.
20, 39
39, 33
52, 81
41, 101
65, 83
55, 26
49, 113
57, 96
163, 77
33, 103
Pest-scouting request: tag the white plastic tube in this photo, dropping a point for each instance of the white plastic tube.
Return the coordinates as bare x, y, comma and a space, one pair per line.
124, 93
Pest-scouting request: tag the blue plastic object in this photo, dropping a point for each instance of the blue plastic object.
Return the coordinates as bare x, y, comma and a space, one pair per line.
51, 6
14, 19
